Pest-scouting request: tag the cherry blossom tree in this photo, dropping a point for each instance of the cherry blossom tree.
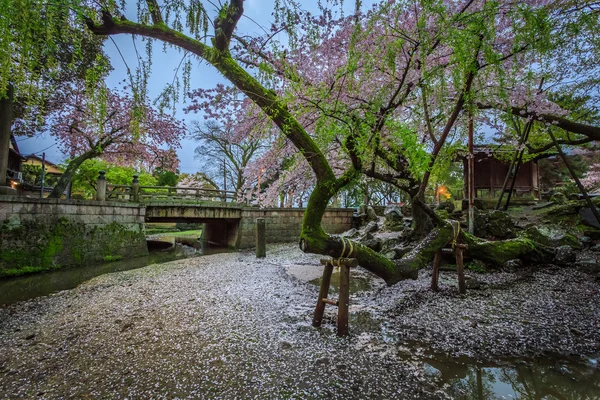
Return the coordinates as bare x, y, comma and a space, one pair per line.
378, 93
591, 179
231, 137
115, 129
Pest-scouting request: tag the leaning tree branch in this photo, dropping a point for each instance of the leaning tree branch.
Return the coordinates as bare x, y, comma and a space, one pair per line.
535, 150
226, 22
154, 12
591, 131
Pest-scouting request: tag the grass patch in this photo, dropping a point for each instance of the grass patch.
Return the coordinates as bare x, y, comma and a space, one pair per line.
8, 273
195, 234
112, 258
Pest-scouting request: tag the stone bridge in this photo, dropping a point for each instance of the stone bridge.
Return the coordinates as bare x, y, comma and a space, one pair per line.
42, 234
233, 224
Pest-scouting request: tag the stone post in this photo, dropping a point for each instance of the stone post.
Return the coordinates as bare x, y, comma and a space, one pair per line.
135, 188
101, 187
261, 249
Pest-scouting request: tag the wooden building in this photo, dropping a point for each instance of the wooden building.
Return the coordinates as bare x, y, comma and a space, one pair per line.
52, 174
490, 173
15, 159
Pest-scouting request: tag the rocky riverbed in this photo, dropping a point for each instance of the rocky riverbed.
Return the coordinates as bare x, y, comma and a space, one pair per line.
232, 326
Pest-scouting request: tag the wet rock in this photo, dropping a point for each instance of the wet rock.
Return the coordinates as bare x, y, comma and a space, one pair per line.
398, 252
322, 361
589, 265
394, 220
500, 225
371, 227
512, 265
366, 215
406, 210
283, 345
551, 236
371, 214
588, 218
389, 243
565, 255
596, 248
457, 215
447, 205
373, 244
473, 283
576, 331
586, 241
364, 237
443, 214
558, 198
352, 233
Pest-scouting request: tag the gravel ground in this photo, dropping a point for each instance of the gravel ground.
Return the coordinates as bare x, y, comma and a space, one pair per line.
232, 326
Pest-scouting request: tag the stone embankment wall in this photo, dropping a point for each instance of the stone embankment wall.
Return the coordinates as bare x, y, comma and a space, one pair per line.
283, 225
44, 234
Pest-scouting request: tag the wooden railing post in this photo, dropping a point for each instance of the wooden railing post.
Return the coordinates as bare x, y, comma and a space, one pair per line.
135, 188
101, 187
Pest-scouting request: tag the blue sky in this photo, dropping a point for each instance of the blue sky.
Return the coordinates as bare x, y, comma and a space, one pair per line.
163, 69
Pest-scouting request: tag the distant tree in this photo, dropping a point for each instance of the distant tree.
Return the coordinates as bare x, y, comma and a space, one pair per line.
86, 177
224, 151
115, 128
32, 174
165, 177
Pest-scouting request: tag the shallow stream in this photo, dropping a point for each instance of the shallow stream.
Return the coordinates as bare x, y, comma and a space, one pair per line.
28, 287
546, 377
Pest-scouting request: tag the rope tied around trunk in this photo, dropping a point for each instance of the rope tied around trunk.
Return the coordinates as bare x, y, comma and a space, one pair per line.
456, 232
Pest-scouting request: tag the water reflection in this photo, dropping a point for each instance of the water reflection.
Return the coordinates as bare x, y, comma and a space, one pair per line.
551, 380
27, 287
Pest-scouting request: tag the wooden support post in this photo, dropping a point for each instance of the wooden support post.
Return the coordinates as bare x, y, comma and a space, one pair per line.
343, 301
101, 187
261, 249
462, 287
323, 292
436, 270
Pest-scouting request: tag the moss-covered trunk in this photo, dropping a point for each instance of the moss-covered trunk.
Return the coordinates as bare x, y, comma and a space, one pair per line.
69, 174
314, 239
499, 252
421, 223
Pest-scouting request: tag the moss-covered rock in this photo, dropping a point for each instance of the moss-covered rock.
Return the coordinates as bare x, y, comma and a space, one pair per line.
551, 236
558, 198
394, 220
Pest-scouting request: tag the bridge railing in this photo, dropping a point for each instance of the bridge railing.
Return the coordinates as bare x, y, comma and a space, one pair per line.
145, 194
168, 193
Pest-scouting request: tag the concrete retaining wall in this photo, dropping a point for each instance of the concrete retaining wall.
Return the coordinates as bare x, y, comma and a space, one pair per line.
44, 234
283, 225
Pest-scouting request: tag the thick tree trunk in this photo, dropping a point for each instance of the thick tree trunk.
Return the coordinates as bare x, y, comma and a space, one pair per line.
498, 252
421, 223
69, 174
313, 239
6, 119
